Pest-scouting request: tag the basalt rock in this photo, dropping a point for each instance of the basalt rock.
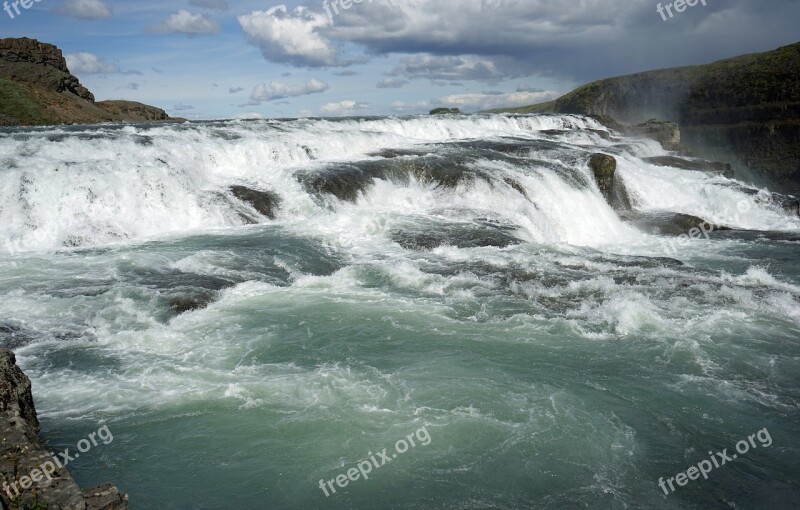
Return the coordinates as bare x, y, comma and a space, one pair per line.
668, 223
22, 452
667, 133
604, 168
700, 165
266, 203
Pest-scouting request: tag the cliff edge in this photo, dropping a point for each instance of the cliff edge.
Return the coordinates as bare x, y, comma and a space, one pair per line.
25, 482
747, 107
37, 88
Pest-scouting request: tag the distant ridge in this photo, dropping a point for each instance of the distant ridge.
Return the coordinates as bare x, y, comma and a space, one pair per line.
37, 88
747, 106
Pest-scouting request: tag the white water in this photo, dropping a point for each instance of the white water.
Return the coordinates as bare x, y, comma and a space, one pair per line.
110, 185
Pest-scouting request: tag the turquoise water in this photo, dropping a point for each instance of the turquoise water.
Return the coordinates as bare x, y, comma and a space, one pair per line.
571, 368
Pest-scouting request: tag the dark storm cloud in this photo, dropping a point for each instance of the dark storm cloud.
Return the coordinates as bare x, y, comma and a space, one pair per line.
574, 40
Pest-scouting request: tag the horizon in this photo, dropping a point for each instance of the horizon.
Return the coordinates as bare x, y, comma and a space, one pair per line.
378, 57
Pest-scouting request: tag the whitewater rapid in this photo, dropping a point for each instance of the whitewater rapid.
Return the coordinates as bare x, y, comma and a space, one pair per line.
80, 187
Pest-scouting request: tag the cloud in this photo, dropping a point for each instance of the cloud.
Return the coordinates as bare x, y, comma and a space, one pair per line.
290, 37
220, 5
185, 22
85, 9
478, 101
576, 41
279, 90
487, 101
89, 63
235, 90
392, 83
447, 68
343, 108
180, 107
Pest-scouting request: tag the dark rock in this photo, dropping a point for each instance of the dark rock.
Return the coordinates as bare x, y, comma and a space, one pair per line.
105, 497
700, 165
445, 111
667, 133
21, 452
667, 223
190, 303
604, 168
478, 235
266, 203
347, 181
14, 337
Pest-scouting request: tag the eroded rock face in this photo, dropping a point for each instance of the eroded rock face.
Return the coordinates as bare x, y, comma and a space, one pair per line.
22, 452
700, 165
32, 52
667, 133
28, 60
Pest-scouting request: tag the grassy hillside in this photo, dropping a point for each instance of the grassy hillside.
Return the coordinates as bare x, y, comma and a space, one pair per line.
18, 105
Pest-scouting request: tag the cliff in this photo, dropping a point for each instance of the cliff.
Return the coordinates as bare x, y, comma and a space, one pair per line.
747, 107
37, 88
22, 455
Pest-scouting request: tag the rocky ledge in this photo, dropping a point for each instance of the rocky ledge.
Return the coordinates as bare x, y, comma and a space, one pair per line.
22, 454
37, 88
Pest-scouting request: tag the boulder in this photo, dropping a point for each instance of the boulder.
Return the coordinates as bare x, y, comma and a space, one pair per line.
266, 203
604, 168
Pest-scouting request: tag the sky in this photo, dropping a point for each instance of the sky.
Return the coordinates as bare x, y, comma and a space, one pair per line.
209, 59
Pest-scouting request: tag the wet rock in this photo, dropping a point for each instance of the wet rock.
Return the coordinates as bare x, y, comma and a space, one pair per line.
191, 302
667, 133
105, 497
445, 111
266, 203
22, 452
13, 336
477, 235
668, 223
700, 165
604, 168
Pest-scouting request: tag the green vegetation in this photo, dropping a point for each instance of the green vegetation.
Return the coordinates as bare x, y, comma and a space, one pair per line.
19, 106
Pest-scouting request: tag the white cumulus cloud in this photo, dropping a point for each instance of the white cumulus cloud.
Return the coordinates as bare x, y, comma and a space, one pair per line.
343, 108
186, 22
89, 63
279, 90
291, 37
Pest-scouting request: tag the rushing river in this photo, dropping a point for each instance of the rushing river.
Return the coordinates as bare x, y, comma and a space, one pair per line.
456, 282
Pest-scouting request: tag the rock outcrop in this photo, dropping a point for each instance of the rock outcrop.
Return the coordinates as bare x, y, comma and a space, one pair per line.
37, 88
747, 107
604, 168
22, 455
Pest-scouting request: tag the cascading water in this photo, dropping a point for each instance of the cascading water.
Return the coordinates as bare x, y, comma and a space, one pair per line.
463, 273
